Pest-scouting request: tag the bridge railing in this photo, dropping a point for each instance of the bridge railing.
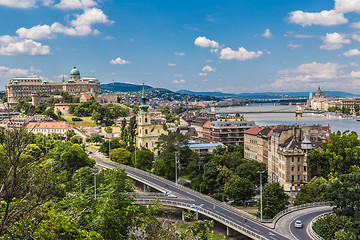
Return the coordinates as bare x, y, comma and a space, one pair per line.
233, 225
297, 208
312, 232
208, 198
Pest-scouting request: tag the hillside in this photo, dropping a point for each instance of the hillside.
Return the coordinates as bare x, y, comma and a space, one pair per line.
122, 87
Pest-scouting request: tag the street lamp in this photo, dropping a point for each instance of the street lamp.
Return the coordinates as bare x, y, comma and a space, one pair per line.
95, 173
261, 172
135, 153
176, 178
109, 146
197, 209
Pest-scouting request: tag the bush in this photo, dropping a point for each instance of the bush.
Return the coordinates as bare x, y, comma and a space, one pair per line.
76, 119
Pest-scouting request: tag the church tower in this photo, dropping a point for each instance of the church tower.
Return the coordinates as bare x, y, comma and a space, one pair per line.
147, 133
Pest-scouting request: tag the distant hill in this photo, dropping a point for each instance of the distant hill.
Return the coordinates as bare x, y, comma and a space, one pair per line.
266, 95
122, 87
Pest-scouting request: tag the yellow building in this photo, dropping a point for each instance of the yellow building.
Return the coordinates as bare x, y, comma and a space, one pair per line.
147, 133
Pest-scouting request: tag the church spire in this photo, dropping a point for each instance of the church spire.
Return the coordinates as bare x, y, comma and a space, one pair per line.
144, 107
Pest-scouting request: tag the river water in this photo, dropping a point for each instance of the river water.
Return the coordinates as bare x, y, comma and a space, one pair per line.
267, 119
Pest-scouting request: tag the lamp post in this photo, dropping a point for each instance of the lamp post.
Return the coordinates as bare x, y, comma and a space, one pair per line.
135, 153
261, 172
197, 209
109, 146
95, 173
176, 178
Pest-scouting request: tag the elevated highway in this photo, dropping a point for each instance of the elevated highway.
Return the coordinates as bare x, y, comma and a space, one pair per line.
181, 197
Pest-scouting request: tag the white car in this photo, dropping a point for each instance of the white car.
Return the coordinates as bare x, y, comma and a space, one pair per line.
298, 224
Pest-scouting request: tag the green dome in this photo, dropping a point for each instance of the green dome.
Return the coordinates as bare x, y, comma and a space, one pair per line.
74, 71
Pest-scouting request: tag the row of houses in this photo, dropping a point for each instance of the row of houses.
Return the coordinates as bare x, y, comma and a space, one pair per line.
284, 149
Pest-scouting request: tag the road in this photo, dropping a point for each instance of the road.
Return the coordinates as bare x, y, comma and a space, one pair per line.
286, 224
184, 198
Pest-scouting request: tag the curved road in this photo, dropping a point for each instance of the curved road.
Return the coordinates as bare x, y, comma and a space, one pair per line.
182, 196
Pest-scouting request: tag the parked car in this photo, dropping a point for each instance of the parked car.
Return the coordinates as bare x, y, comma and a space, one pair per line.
298, 224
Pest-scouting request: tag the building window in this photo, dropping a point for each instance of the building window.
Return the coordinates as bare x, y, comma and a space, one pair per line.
292, 178
298, 177
298, 159
304, 177
146, 131
146, 145
298, 168
292, 159
145, 120
140, 131
292, 169
305, 168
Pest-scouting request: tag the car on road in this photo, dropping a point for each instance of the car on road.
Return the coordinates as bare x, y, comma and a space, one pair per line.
298, 224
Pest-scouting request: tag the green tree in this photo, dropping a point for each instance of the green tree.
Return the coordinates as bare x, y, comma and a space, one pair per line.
313, 191
338, 155
211, 171
95, 138
239, 189
121, 155
250, 170
165, 167
331, 224
144, 159
274, 200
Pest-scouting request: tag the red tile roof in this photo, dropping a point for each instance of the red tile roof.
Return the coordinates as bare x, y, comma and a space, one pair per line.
86, 96
207, 124
272, 130
253, 130
49, 125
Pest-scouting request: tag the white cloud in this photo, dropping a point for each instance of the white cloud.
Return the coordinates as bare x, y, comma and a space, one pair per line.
171, 64
355, 25
241, 55
75, 4
324, 18
355, 74
36, 32
356, 37
267, 34
179, 81
206, 43
214, 50
346, 6
352, 52
17, 46
334, 41
18, 3
119, 61
91, 16
310, 75
207, 68
7, 73
180, 53
294, 46
203, 74
109, 37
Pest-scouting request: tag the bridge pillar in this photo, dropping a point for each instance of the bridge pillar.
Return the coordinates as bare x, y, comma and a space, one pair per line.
182, 215
299, 110
144, 187
228, 231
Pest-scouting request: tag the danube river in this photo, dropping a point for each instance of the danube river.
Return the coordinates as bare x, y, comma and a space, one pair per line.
264, 119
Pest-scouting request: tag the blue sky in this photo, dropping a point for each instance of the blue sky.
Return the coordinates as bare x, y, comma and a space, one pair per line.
201, 45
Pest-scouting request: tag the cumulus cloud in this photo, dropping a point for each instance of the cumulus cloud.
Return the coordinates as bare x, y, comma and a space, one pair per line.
7, 73
109, 37
81, 26
346, 6
172, 64
354, 74
334, 41
119, 61
207, 68
294, 46
324, 18
180, 53
241, 55
17, 46
310, 75
36, 32
203, 74
355, 25
206, 43
267, 34
179, 81
75, 4
18, 3
356, 37
352, 52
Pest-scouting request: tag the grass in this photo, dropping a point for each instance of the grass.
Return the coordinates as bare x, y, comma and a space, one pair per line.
92, 147
86, 121
186, 176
